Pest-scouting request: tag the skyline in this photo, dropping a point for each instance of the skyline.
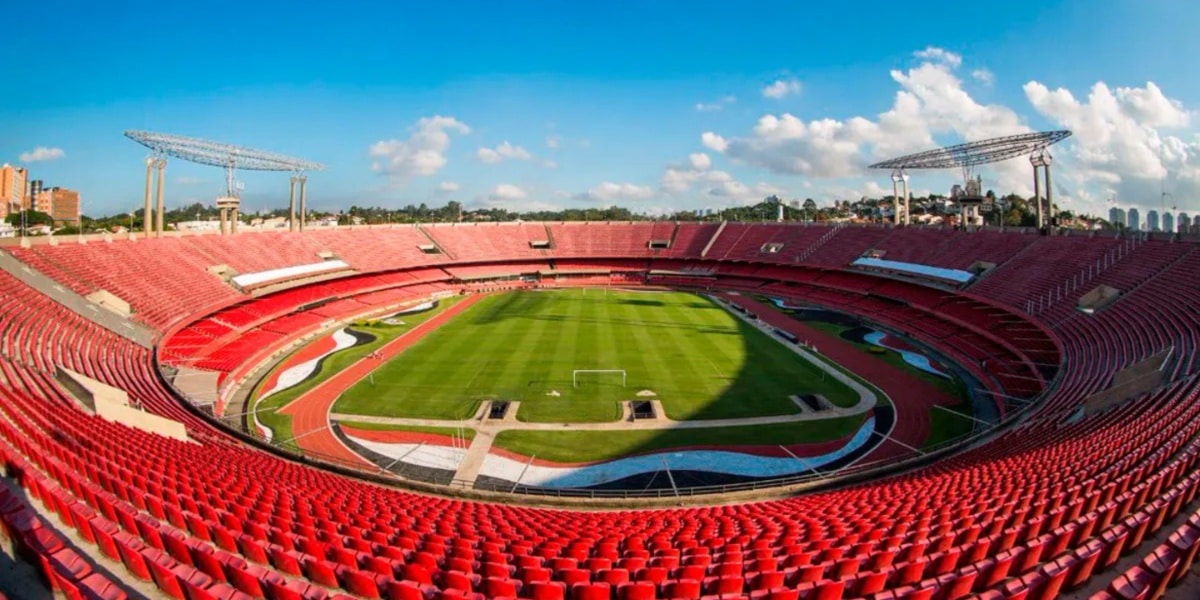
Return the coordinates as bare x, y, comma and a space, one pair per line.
654, 107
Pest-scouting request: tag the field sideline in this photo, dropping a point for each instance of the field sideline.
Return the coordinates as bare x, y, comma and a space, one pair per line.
700, 361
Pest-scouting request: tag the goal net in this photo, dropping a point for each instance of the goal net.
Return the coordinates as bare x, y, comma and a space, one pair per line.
592, 374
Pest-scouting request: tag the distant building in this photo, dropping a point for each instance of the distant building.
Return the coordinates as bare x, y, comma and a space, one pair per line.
1168, 222
12, 189
1185, 223
1152, 221
60, 203
1116, 216
34, 187
1133, 219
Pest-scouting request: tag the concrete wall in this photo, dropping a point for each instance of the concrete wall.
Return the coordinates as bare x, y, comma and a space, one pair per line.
1099, 297
112, 404
111, 301
1130, 382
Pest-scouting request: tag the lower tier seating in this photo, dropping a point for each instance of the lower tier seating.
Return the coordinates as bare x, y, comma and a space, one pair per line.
1051, 505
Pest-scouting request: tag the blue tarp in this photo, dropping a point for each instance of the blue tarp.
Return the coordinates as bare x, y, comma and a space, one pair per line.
926, 270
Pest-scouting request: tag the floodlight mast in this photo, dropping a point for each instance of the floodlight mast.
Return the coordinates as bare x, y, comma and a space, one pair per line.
217, 154
972, 154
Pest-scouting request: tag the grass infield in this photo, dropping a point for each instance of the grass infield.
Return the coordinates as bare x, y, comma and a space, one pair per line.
582, 446
699, 360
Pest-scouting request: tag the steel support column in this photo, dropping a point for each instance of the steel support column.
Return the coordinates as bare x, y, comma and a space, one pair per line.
899, 192
148, 211
292, 204
158, 214
1041, 161
303, 202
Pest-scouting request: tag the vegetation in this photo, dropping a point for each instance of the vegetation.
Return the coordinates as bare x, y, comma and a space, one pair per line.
700, 361
1012, 210
949, 424
29, 217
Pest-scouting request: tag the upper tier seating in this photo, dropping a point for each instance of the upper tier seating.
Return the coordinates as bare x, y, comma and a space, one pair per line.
162, 279
485, 241
253, 253
376, 248
1051, 505
602, 239
746, 241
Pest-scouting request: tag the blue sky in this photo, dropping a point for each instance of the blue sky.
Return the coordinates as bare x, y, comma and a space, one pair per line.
654, 105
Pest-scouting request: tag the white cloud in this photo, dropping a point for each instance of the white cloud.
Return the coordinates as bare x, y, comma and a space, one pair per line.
549, 164
713, 141
513, 197
935, 54
930, 104
552, 141
719, 104
984, 76
611, 192
1126, 144
448, 186
780, 88
507, 192
423, 153
42, 153
188, 180
696, 177
504, 151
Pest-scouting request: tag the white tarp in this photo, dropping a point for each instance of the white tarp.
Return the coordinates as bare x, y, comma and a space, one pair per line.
293, 272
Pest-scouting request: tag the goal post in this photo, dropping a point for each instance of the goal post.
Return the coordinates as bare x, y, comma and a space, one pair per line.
577, 372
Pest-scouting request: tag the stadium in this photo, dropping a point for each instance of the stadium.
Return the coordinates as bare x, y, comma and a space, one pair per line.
590, 301
299, 414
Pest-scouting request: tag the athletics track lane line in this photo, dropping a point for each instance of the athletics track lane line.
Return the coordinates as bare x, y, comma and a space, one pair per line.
310, 412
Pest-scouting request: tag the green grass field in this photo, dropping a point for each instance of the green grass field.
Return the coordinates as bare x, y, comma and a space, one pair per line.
580, 446
702, 362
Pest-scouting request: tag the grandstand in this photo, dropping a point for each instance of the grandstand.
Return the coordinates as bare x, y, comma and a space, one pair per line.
1062, 498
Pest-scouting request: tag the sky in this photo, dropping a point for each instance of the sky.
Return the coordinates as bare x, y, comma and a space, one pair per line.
654, 105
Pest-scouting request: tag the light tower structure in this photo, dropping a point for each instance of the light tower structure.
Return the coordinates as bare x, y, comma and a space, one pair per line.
970, 155
217, 154
900, 193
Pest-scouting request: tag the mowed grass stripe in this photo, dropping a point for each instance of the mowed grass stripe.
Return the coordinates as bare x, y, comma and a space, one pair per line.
701, 361
664, 373
712, 362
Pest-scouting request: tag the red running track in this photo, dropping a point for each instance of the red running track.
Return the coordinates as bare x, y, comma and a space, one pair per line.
310, 412
912, 397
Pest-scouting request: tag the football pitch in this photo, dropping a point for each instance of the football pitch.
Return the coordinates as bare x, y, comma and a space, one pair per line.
688, 351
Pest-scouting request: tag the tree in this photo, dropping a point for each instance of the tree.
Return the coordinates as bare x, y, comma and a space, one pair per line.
30, 218
810, 209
